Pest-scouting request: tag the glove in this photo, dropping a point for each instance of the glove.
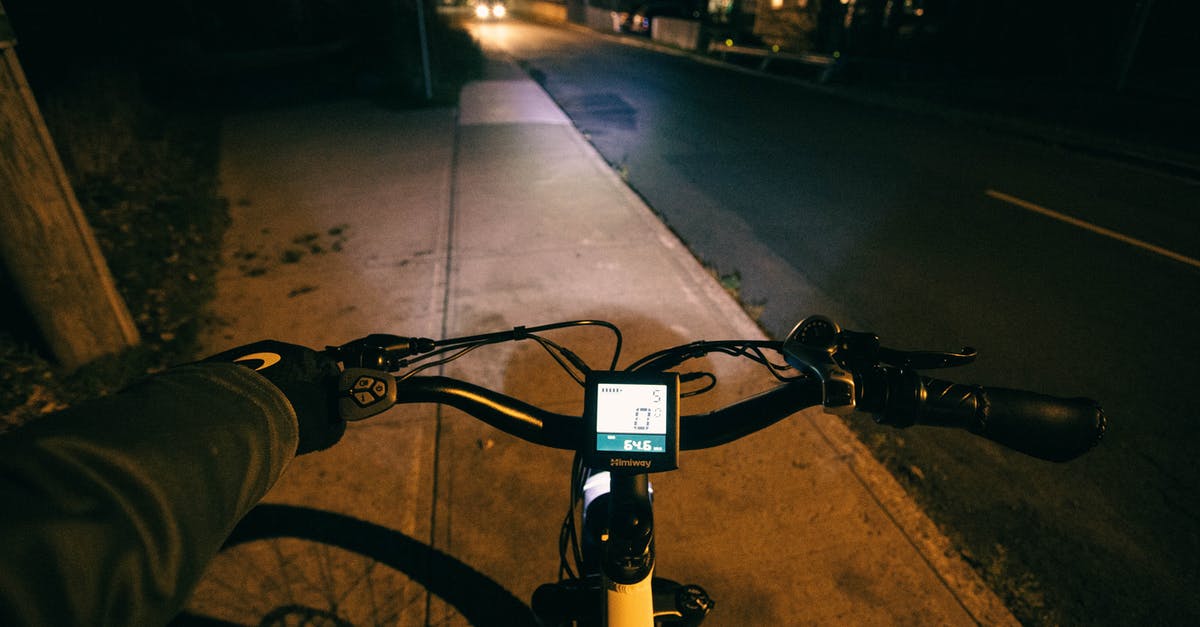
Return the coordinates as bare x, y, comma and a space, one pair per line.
309, 381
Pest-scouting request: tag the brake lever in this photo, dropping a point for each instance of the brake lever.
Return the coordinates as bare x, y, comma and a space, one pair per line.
927, 360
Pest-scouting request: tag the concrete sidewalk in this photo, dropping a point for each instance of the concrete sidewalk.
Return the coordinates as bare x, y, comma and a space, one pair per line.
349, 219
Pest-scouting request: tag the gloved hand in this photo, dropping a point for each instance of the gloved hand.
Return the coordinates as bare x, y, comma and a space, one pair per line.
309, 381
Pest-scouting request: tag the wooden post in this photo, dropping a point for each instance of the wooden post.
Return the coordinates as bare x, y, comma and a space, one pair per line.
45, 242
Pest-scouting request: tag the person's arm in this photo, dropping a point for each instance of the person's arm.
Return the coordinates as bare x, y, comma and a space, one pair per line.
110, 511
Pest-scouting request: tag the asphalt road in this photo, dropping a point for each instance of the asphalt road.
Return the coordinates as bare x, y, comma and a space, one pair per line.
929, 233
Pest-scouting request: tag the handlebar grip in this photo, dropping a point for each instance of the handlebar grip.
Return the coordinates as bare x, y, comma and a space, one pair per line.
1047, 427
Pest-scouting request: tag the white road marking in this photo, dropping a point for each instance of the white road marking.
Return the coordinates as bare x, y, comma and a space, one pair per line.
1050, 213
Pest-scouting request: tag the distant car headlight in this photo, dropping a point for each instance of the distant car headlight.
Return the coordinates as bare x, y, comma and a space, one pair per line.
482, 11
498, 10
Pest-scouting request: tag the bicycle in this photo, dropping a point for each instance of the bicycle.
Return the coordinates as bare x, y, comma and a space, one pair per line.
631, 428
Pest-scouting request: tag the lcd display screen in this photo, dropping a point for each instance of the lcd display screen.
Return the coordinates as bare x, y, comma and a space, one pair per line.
632, 417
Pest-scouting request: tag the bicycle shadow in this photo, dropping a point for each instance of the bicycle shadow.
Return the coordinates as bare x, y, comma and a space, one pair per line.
479, 599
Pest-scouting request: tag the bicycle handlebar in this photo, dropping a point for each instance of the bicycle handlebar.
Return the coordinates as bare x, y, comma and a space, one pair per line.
538, 426
873, 379
1046, 427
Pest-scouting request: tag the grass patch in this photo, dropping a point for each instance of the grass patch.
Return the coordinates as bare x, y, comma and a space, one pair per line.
731, 282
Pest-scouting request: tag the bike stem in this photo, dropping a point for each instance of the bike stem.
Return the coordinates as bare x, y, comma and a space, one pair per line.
628, 555
619, 544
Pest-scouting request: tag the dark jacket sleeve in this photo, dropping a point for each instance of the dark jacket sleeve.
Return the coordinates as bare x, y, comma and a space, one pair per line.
110, 511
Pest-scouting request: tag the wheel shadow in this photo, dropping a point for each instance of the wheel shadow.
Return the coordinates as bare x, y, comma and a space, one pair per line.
479, 599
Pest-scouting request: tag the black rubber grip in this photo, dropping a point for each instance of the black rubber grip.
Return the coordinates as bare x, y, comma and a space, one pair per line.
1046, 427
